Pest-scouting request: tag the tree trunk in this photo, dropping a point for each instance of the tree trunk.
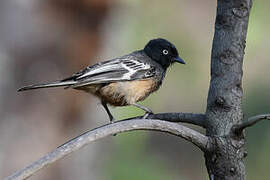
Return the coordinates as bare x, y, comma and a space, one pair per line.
224, 104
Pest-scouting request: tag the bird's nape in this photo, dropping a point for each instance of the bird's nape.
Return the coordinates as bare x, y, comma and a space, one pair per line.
163, 52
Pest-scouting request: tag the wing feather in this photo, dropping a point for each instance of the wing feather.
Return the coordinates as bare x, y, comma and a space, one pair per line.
122, 69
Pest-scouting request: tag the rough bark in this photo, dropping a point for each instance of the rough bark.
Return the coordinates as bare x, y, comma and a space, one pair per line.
224, 104
239, 128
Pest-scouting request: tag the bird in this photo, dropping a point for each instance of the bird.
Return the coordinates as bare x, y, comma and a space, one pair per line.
124, 80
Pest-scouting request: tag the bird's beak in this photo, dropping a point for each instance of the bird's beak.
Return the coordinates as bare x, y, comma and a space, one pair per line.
179, 60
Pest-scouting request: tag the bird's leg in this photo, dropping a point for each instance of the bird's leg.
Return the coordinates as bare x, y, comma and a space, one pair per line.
147, 110
104, 104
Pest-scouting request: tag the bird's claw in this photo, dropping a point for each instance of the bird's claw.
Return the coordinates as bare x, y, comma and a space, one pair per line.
145, 116
112, 120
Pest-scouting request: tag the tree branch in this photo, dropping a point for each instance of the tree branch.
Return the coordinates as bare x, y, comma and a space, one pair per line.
190, 135
250, 122
191, 118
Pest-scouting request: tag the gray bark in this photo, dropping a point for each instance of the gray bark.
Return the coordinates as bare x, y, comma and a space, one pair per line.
193, 136
190, 118
239, 128
224, 104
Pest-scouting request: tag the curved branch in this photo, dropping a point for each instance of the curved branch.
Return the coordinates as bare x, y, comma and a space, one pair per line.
193, 136
250, 122
191, 118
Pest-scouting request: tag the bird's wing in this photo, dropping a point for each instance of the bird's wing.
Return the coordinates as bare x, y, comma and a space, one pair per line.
121, 69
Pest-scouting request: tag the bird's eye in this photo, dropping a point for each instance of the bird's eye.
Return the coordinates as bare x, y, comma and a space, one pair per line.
165, 51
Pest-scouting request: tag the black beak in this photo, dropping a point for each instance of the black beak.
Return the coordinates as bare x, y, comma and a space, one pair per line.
179, 60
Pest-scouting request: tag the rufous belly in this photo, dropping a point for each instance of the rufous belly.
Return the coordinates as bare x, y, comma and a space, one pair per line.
124, 92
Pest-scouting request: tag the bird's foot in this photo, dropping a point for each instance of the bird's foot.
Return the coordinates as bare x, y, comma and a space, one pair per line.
147, 114
112, 121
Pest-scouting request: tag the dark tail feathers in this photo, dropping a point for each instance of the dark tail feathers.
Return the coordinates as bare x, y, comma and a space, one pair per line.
47, 85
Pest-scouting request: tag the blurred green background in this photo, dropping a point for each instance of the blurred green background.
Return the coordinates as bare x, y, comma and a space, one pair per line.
51, 39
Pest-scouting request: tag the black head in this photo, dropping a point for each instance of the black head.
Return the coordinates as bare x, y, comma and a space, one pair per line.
163, 52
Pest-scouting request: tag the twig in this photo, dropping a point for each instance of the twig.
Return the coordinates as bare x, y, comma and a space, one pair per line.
191, 118
190, 135
250, 122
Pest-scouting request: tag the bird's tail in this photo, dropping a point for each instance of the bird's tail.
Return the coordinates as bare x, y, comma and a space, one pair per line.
47, 85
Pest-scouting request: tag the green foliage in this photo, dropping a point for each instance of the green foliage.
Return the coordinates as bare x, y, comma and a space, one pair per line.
131, 161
